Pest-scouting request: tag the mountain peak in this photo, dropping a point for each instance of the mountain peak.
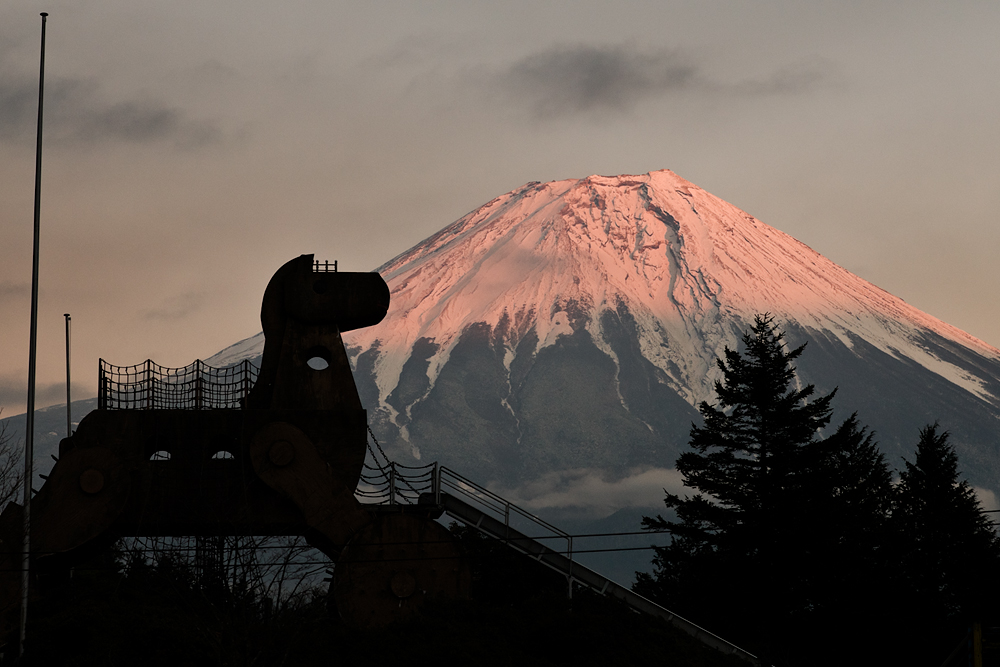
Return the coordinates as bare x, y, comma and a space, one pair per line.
576, 324
685, 263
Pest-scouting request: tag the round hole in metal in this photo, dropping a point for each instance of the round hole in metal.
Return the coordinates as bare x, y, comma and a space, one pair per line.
318, 363
281, 453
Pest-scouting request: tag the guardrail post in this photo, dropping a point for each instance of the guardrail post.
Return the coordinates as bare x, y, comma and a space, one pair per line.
437, 484
197, 384
392, 482
149, 384
569, 575
246, 381
102, 388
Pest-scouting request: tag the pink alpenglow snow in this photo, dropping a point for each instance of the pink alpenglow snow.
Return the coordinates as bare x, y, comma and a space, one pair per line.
684, 262
568, 330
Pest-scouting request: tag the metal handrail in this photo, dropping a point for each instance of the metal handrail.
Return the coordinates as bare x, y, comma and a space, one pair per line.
395, 486
469, 500
445, 478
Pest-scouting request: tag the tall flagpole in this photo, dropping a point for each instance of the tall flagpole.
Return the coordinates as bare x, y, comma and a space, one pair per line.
29, 436
69, 411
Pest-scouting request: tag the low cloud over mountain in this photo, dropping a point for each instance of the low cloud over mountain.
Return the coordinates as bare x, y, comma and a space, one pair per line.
556, 341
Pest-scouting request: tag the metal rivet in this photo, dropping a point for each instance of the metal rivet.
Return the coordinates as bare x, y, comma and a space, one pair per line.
403, 585
281, 453
91, 481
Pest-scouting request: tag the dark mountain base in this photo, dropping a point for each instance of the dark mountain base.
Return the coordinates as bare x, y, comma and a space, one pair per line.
568, 406
571, 406
896, 398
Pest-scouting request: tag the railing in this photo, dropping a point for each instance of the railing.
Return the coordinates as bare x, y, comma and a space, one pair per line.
480, 508
395, 484
149, 386
514, 518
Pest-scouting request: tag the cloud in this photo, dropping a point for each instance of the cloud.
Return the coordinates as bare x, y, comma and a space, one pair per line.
569, 80
17, 104
987, 498
76, 112
590, 491
800, 77
140, 122
573, 79
14, 391
176, 307
11, 291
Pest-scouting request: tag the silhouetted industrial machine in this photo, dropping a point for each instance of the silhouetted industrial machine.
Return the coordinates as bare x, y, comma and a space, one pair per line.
208, 452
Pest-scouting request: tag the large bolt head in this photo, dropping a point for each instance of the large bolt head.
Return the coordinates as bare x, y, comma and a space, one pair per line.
403, 585
281, 453
91, 481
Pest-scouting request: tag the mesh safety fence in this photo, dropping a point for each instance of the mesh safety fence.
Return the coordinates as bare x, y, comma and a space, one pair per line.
150, 386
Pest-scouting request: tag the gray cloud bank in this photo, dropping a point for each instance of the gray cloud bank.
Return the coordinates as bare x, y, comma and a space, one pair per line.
76, 112
13, 291
568, 80
14, 390
987, 498
590, 492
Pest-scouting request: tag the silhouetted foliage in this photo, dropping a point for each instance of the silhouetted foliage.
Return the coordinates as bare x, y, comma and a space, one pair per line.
11, 467
947, 552
779, 547
121, 608
125, 609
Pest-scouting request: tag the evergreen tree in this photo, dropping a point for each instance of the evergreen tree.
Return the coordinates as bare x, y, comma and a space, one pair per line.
948, 552
778, 508
845, 580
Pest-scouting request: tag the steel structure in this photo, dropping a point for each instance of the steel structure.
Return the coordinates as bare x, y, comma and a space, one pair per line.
204, 452
211, 452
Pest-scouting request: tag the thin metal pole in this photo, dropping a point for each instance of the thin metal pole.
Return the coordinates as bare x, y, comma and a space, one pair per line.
392, 482
69, 410
437, 483
32, 350
569, 574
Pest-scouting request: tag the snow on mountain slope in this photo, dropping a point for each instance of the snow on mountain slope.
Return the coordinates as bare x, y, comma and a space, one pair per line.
685, 263
568, 330
248, 348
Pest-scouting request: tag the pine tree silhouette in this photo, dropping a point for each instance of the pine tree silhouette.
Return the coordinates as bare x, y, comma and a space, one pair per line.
781, 536
948, 553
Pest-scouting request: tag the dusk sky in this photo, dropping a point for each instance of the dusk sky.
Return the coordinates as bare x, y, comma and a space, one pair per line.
192, 148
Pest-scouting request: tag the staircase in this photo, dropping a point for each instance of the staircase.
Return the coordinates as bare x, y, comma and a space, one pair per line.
442, 489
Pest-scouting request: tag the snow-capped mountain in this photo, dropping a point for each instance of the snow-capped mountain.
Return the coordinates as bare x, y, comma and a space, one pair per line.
574, 326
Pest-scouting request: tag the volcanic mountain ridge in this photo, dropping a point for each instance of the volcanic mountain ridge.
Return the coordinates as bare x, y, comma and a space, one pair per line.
573, 326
